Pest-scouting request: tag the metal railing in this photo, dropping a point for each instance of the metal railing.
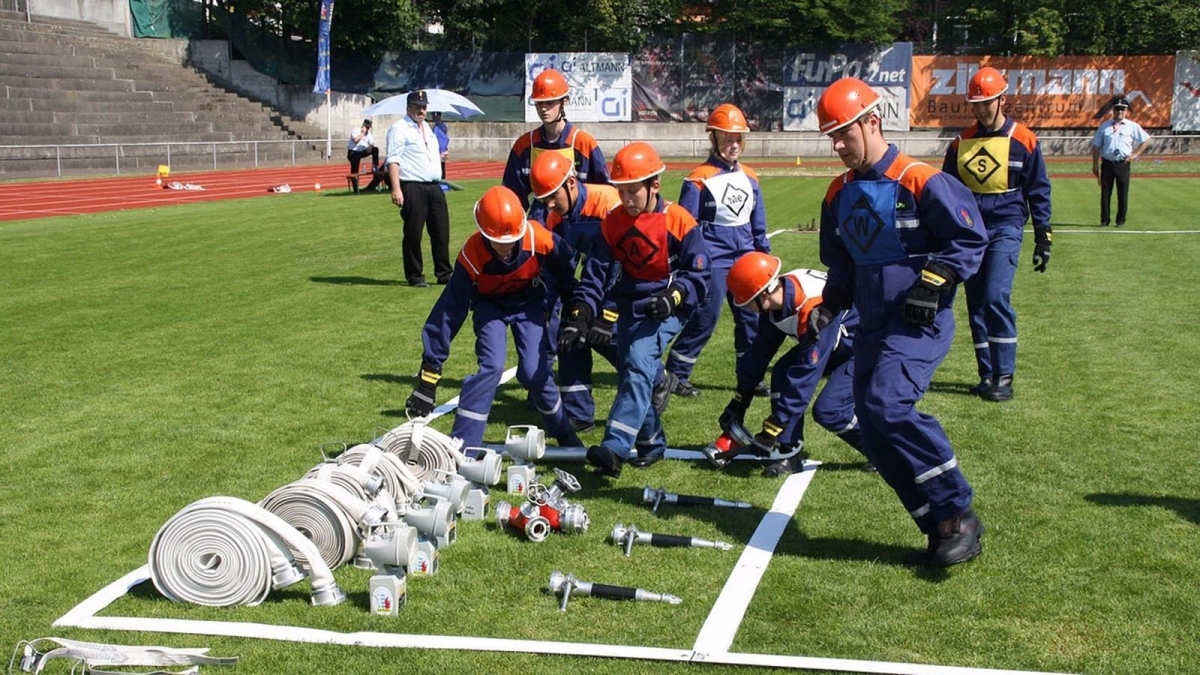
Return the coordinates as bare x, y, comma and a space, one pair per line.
121, 158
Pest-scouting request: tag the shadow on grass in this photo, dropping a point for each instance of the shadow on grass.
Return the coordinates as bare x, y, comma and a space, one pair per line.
356, 281
960, 388
1185, 508
406, 380
796, 543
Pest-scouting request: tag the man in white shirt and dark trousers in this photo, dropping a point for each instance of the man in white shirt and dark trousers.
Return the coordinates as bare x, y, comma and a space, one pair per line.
1118, 143
414, 166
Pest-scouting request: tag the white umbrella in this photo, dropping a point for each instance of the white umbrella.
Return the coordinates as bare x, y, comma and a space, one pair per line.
440, 100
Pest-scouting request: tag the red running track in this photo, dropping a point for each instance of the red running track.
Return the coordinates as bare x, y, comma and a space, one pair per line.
42, 199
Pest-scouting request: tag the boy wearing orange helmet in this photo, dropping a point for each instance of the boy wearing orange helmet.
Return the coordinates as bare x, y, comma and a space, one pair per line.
651, 261
496, 278
723, 195
782, 303
550, 95
574, 212
1000, 160
897, 236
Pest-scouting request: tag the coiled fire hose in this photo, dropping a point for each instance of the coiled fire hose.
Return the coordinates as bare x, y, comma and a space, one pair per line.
427, 451
398, 479
225, 552
334, 518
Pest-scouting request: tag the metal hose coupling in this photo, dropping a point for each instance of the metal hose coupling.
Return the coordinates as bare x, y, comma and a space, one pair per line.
628, 536
659, 496
225, 552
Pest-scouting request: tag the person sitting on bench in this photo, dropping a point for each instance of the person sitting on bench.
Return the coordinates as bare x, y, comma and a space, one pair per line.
362, 144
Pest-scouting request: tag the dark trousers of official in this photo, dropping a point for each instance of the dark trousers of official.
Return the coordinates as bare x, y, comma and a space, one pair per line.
356, 157
425, 208
1110, 173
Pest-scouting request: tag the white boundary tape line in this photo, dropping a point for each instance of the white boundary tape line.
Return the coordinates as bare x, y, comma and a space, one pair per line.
727, 612
453, 403
1112, 230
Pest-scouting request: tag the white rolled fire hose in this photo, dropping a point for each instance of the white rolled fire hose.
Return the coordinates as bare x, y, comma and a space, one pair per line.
398, 479
362, 484
427, 451
334, 518
225, 552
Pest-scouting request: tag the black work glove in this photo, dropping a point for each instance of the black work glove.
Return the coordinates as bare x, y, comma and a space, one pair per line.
601, 332
663, 303
818, 319
921, 303
575, 323
424, 396
766, 440
1041, 248
736, 410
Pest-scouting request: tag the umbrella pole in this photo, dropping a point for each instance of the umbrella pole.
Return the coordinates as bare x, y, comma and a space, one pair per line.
328, 128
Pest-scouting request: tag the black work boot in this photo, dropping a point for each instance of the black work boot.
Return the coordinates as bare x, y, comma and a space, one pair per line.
1002, 390
786, 466
956, 540
762, 389
606, 463
660, 398
984, 386
685, 388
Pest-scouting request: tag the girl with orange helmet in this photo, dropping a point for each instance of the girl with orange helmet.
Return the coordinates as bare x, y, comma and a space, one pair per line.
497, 278
897, 236
550, 94
1000, 160
652, 262
782, 304
723, 195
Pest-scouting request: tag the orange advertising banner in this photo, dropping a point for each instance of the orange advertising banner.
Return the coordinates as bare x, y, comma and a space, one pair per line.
1046, 93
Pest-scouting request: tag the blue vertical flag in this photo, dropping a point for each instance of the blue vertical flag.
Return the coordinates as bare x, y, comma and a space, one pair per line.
322, 85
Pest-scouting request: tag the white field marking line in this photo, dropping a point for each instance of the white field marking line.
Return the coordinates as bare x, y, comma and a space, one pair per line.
453, 403
1112, 230
84, 616
727, 613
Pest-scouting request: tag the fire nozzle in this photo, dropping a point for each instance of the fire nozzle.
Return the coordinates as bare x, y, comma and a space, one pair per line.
565, 584
659, 496
628, 536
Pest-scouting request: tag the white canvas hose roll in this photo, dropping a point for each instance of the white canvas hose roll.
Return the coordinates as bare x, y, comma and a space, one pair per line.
225, 552
398, 479
427, 452
331, 516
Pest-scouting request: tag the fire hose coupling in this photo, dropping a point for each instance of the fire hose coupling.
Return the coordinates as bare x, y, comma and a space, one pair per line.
735, 438
525, 442
94, 657
661, 496
391, 544
628, 536
565, 584
546, 509
481, 466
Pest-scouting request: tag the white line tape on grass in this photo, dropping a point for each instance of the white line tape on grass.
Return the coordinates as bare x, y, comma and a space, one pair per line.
453, 403
719, 629
1110, 230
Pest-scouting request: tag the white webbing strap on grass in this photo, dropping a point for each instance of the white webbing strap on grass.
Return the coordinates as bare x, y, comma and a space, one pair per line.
36, 653
721, 626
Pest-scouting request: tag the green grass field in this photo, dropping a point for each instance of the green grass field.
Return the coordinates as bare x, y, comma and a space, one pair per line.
151, 358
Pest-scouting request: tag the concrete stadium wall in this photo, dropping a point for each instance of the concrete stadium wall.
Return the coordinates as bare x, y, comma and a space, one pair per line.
112, 14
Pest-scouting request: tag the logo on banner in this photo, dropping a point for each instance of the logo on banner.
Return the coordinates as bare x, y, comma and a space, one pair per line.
734, 199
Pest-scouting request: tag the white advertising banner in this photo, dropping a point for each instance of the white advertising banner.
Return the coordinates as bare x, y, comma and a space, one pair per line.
807, 74
601, 84
1185, 109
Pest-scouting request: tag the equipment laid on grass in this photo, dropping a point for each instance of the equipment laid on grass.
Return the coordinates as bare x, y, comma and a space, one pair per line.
546, 509
92, 657
524, 443
660, 496
565, 584
480, 466
733, 439
628, 536
225, 551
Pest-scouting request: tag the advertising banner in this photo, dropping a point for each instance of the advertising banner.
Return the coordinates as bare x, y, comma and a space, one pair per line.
1185, 109
600, 84
1046, 93
806, 74
321, 85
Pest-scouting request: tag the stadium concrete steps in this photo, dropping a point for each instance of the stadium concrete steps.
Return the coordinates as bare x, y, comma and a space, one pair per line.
72, 83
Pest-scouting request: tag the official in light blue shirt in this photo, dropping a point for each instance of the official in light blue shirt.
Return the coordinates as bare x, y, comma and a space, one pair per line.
415, 167
1117, 143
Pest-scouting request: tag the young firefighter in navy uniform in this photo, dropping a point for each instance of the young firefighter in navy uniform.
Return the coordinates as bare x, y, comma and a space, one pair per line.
497, 280
574, 211
783, 303
1000, 160
653, 263
898, 236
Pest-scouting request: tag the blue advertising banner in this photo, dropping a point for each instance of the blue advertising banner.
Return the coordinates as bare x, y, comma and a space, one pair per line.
887, 68
322, 84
